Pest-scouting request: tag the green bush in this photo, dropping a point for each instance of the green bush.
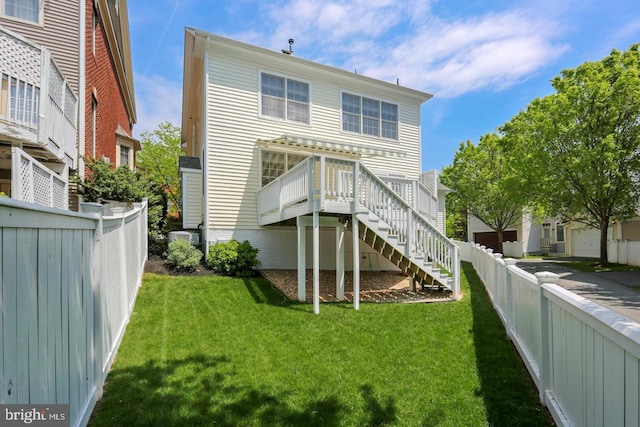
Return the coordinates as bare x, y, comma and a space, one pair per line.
233, 258
183, 256
104, 182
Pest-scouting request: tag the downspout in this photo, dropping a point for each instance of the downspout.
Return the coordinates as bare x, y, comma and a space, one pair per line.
205, 161
81, 89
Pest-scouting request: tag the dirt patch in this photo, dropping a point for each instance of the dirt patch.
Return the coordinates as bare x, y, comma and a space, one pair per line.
375, 286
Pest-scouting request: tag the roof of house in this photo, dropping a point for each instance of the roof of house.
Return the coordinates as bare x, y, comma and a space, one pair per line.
185, 162
423, 96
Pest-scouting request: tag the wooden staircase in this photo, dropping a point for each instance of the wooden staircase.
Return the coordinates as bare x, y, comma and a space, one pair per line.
419, 266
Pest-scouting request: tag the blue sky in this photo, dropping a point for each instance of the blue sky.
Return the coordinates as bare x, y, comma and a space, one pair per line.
483, 61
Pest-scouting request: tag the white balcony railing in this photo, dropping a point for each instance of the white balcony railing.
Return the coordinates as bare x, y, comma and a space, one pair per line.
37, 106
33, 182
338, 186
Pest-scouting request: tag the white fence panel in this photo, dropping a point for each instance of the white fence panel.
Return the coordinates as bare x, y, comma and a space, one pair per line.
624, 252
63, 310
584, 358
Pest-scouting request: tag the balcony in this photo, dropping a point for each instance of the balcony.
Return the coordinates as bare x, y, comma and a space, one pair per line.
38, 109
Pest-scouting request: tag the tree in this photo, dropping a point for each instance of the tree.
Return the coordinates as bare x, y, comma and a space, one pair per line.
103, 182
483, 181
579, 148
158, 160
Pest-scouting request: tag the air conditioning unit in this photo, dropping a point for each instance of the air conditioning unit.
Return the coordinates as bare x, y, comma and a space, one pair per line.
194, 238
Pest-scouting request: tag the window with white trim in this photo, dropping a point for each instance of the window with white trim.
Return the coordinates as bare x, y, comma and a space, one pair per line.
284, 98
125, 156
26, 10
369, 116
559, 233
276, 163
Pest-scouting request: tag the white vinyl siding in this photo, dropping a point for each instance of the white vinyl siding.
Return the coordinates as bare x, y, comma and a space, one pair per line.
234, 124
278, 248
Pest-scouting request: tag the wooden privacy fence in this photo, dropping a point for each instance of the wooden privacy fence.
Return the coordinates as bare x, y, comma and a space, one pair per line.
68, 282
584, 358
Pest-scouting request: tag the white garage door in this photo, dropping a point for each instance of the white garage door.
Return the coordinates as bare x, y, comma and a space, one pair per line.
585, 243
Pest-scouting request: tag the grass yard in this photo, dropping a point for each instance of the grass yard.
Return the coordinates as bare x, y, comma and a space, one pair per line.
233, 352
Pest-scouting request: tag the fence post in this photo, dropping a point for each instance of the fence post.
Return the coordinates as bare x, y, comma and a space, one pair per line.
97, 210
497, 285
508, 284
544, 365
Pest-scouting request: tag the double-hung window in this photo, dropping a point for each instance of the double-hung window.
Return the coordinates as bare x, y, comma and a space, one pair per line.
284, 98
369, 116
27, 10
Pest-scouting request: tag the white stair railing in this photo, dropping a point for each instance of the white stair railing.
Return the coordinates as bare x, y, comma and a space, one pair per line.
337, 185
411, 228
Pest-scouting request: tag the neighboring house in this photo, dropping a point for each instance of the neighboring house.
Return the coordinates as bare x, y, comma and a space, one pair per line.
67, 92
529, 236
279, 145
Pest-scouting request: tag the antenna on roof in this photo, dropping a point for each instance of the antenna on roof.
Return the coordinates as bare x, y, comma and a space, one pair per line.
290, 51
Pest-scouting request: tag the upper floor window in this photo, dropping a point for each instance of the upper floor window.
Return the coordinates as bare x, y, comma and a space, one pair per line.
28, 10
369, 116
284, 98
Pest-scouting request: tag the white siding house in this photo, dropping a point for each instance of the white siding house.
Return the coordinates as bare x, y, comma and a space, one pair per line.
282, 141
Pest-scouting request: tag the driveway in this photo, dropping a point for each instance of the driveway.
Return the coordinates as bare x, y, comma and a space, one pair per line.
617, 291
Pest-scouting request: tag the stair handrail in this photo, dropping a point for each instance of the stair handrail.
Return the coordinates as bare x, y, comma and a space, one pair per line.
439, 248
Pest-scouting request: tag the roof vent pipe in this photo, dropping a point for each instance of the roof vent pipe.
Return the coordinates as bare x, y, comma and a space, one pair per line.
290, 51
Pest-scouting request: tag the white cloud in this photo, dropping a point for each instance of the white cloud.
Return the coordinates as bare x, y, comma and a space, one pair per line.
392, 39
158, 100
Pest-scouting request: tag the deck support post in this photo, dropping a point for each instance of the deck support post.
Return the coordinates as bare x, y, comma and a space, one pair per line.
316, 262
356, 262
302, 261
340, 261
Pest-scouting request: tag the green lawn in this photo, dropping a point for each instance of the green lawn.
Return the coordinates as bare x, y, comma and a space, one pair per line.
233, 352
595, 266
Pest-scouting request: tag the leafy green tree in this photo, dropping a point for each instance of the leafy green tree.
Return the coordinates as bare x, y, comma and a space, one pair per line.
158, 160
579, 148
484, 182
103, 182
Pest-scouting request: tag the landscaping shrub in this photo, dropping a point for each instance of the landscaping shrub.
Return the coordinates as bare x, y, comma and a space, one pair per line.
182, 255
233, 258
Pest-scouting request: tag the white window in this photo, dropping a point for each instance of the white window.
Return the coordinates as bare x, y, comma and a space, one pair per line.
27, 10
276, 163
125, 156
284, 98
559, 233
369, 116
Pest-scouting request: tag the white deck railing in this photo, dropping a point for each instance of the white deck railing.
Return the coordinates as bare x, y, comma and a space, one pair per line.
37, 105
33, 182
334, 185
417, 195
584, 358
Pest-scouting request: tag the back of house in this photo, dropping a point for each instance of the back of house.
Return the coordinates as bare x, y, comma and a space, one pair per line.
252, 116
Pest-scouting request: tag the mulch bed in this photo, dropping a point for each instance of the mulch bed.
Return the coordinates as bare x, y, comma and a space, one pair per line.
375, 286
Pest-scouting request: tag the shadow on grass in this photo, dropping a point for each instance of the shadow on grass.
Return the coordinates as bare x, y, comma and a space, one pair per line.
199, 390
509, 400
205, 390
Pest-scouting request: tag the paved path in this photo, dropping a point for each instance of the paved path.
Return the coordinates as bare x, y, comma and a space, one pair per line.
618, 291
